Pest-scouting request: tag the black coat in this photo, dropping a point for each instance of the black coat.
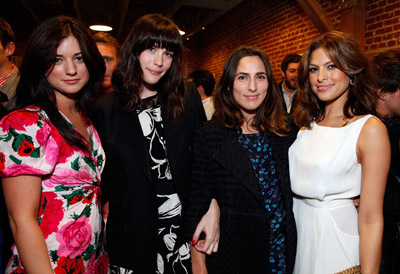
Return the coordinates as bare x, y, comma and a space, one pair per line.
132, 220
222, 169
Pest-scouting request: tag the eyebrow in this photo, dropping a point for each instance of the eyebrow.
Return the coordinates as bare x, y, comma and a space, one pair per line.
326, 63
246, 73
75, 54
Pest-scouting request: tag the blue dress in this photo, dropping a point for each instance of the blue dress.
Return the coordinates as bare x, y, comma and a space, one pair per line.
260, 154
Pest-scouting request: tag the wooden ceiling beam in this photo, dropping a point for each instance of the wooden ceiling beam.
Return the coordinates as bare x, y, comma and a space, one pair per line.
123, 11
77, 7
34, 12
317, 15
207, 4
353, 12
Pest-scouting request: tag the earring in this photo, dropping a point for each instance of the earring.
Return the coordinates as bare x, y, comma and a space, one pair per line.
352, 81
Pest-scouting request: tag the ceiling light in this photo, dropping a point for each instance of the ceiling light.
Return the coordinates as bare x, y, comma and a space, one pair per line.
100, 28
181, 32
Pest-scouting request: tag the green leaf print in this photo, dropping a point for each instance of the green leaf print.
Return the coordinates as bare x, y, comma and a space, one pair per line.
53, 255
74, 193
63, 188
75, 164
88, 253
86, 212
15, 261
100, 160
90, 163
8, 137
35, 153
15, 160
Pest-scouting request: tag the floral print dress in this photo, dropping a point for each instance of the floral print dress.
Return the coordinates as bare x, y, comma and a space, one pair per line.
69, 213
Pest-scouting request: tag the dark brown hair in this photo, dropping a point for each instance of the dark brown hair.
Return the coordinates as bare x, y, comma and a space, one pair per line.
270, 116
345, 53
385, 71
149, 31
40, 56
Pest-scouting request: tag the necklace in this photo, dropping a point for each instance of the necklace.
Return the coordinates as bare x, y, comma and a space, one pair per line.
345, 121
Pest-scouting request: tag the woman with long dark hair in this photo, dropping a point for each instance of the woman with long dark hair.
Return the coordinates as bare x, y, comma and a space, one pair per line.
147, 128
341, 151
240, 159
51, 156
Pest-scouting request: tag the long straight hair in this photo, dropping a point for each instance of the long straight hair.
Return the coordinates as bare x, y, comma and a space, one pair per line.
152, 30
269, 117
345, 53
39, 57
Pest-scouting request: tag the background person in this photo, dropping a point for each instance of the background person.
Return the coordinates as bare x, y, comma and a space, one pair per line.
9, 77
241, 160
289, 70
51, 156
385, 72
341, 151
205, 83
109, 48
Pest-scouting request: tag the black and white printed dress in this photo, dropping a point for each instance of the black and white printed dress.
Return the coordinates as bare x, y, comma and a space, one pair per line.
168, 202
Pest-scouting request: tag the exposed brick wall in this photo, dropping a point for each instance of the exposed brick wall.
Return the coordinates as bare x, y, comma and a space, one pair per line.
382, 25
280, 27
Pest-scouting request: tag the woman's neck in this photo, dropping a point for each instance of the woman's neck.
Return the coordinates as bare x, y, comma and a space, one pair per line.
147, 91
247, 126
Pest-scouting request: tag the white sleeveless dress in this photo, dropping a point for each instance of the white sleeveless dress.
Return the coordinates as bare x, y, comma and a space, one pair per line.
325, 176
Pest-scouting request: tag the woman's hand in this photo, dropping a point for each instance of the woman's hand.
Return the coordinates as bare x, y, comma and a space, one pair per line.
209, 224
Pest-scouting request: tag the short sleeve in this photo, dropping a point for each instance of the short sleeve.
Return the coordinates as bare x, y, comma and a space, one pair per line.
27, 147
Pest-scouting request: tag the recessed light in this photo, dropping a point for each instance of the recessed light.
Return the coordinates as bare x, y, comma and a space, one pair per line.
100, 28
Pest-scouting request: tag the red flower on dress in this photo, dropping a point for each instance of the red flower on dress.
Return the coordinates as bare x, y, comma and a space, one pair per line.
65, 265
88, 199
52, 213
18, 270
2, 161
26, 148
102, 264
19, 120
76, 199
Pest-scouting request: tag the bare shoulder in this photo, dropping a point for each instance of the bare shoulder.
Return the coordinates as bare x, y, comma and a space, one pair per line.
373, 128
373, 138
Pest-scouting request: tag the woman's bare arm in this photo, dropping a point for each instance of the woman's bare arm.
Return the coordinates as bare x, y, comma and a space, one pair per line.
22, 195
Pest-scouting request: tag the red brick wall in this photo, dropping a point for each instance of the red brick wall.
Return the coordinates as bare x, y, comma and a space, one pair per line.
382, 25
281, 27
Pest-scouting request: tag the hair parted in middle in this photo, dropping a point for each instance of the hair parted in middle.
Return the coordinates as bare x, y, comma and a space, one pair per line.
270, 116
151, 30
345, 53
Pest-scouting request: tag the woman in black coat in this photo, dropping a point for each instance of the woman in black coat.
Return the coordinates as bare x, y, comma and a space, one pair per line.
147, 130
241, 160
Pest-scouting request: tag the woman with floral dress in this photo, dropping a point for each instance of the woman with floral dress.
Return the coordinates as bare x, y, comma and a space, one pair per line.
51, 157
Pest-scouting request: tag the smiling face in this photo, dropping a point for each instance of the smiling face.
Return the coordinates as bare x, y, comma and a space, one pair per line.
250, 85
327, 81
291, 76
154, 62
69, 73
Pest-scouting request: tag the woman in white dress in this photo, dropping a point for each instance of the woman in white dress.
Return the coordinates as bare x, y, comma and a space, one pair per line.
341, 151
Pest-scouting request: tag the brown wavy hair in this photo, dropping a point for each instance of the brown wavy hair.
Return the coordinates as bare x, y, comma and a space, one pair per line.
270, 116
345, 53
149, 31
